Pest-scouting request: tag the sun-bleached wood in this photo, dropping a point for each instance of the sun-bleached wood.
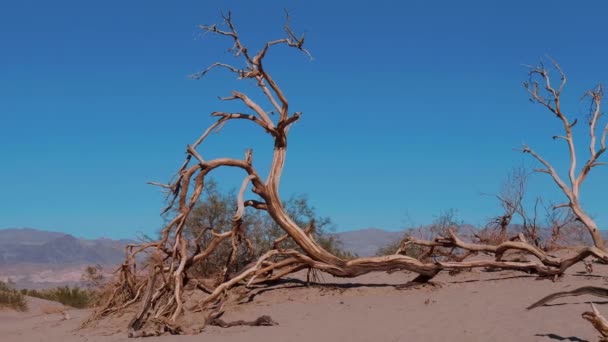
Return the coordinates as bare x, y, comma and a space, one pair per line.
161, 293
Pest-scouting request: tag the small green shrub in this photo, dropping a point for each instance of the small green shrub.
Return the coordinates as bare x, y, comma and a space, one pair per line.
215, 209
11, 298
389, 248
411, 250
70, 296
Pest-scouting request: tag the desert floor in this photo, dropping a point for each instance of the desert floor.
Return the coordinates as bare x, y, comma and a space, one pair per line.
470, 306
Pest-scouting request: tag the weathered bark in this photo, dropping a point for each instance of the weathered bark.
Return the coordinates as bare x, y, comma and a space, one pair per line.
138, 320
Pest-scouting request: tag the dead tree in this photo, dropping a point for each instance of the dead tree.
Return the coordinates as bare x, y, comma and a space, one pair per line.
565, 228
530, 226
542, 91
550, 97
161, 293
511, 199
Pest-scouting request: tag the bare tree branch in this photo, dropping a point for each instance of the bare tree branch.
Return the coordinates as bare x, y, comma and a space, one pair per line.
550, 98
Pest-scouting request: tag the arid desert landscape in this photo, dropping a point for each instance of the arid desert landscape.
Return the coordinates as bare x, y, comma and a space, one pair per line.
482, 186
469, 306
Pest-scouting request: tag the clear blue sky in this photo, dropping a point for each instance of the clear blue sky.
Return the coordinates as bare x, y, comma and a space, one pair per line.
410, 107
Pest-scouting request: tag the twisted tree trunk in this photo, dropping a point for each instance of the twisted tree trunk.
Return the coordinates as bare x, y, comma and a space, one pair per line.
162, 303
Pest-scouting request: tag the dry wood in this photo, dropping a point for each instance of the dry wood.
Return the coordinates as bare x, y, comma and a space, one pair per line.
258, 322
598, 321
162, 302
590, 290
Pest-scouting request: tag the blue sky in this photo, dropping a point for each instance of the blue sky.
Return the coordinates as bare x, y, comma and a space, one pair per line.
410, 107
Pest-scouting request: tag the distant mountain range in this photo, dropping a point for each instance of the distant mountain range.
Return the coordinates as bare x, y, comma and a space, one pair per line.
36, 258
26, 245
365, 242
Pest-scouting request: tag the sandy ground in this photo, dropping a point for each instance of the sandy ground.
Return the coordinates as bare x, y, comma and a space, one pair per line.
470, 306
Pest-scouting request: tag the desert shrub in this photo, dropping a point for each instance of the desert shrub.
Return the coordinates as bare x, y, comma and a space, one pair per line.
264, 231
489, 235
445, 221
411, 250
70, 296
92, 276
389, 248
215, 210
11, 298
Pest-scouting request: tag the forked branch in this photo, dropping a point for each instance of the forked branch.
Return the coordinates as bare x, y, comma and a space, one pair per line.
542, 91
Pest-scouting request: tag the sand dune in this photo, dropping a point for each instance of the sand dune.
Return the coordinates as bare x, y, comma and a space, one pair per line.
471, 306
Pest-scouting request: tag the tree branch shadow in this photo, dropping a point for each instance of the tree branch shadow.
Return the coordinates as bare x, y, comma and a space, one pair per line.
492, 279
561, 338
587, 275
577, 303
293, 283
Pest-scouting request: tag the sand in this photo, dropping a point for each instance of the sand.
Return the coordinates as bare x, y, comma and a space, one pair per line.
470, 306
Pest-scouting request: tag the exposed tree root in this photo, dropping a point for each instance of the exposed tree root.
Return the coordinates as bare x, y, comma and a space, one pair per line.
124, 293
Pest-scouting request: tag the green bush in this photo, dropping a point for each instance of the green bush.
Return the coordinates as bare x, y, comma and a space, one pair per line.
215, 209
388, 249
11, 298
70, 296
411, 250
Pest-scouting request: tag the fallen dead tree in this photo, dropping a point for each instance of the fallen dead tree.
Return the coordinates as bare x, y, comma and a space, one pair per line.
554, 265
161, 295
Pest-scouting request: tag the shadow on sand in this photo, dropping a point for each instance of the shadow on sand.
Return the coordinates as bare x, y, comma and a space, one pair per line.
561, 338
493, 279
577, 303
293, 283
